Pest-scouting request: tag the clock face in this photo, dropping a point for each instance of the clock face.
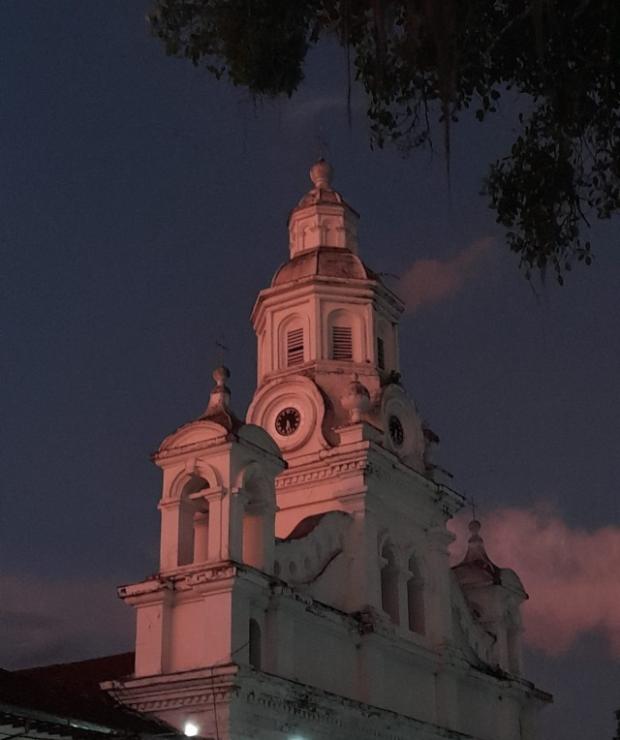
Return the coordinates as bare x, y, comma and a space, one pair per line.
397, 433
287, 421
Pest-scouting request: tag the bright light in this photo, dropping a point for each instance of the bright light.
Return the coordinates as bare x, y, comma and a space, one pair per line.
191, 729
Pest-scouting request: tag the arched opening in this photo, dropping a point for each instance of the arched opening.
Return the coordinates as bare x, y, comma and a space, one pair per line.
389, 583
193, 523
341, 342
255, 646
380, 353
292, 342
415, 598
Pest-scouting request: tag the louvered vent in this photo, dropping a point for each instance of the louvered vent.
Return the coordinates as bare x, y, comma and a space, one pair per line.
295, 347
342, 343
380, 353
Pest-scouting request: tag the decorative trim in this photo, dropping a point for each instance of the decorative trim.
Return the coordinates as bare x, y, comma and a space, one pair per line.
336, 469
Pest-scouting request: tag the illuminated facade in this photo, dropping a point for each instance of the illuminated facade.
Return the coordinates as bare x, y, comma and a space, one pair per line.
304, 588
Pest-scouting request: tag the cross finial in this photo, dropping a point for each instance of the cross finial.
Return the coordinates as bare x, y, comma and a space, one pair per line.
473, 509
321, 145
221, 349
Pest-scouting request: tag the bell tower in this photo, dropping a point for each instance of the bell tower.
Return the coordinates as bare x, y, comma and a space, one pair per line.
217, 515
327, 327
325, 309
304, 587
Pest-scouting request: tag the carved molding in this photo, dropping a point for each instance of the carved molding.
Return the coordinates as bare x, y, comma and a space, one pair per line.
337, 469
219, 573
204, 698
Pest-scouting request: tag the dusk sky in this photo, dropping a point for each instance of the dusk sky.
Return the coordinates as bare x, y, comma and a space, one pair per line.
144, 206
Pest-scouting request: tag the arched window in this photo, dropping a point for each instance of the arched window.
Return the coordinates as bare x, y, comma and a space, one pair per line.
255, 646
380, 353
292, 338
415, 598
294, 347
193, 523
341, 343
344, 336
389, 584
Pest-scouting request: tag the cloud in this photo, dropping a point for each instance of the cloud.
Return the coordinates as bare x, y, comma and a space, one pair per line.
45, 621
570, 574
430, 281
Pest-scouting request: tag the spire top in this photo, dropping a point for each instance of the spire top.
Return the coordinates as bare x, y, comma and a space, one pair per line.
221, 374
219, 409
321, 174
476, 554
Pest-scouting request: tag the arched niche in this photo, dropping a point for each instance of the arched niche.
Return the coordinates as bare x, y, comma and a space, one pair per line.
193, 522
293, 338
415, 597
201, 470
390, 597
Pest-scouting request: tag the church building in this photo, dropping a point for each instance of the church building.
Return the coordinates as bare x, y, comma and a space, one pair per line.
304, 590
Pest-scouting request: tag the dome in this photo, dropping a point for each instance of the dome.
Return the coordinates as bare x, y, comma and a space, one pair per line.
323, 262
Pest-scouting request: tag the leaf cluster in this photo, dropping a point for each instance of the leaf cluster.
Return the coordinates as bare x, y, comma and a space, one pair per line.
421, 61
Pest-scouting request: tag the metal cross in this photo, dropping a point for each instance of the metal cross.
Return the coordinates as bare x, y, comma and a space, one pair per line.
321, 144
222, 349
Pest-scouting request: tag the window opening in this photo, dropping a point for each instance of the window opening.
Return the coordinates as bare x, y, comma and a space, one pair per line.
380, 353
389, 585
415, 599
193, 523
295, 347
342, 343
255, 645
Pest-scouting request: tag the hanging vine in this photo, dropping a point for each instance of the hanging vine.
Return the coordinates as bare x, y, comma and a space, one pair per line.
421, 61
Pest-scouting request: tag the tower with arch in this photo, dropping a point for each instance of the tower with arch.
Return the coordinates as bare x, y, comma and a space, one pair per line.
304, 587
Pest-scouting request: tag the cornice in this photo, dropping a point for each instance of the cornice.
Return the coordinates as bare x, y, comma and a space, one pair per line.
343, 468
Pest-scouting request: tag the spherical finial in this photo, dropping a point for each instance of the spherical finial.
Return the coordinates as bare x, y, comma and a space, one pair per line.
321, 174
474, 526
221, 374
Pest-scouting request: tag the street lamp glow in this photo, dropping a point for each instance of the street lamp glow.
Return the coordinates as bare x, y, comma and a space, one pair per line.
191, 729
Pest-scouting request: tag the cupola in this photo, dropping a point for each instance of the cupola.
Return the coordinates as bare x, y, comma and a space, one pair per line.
322, 218
325, 310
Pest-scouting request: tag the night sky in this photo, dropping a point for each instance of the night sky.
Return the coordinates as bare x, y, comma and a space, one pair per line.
144, 206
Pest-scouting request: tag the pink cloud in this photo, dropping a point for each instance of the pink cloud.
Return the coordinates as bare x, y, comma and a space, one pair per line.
570, 574
430, 281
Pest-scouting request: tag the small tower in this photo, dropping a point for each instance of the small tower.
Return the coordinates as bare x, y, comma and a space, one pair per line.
495, 596
304, 588
327, 318
217, 515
